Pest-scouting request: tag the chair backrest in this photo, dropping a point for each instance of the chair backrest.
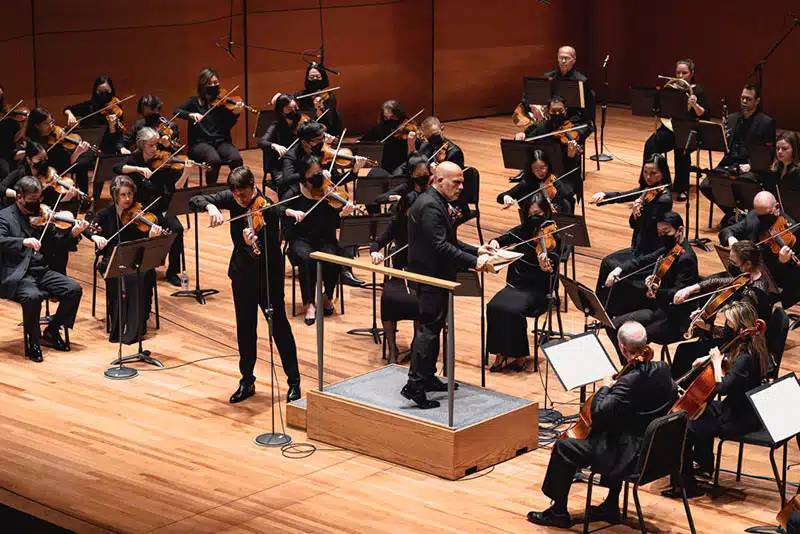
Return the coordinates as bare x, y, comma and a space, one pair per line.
472, 189
777, 332
662, 447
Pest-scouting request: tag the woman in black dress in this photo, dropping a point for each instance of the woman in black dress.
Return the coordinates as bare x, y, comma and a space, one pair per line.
311, 232
398, 303
528, 284
279, 137
123, 191
534, 175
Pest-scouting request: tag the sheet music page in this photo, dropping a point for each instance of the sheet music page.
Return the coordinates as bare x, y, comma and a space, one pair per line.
579, 361
776, 405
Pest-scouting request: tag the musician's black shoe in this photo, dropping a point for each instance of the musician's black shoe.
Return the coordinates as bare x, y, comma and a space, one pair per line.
174, 279
418, 396
692, 491
52, 338
242, 393
549, 518
682, 197
515, 179
608, 513
349, 279
434, 384
34, 353
294, 392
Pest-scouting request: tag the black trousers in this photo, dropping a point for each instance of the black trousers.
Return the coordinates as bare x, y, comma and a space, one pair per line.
83, 165
171, 223
687, 353
425, 347
30, 293
568, 456
300, 255
661, 327
249, 294
136, 300
214, 154
626, 295
662, 141
793, 524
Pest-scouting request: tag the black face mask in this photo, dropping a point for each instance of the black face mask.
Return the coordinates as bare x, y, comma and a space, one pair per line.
212, 91
536, 220
316, 180
765, 221
103, 98
317, 149
728, 333
392, 123
558, 118
669, 241
152, 120
294, 116
421, 181
3, 102
33, 206
315, 85
435, 140
41, 166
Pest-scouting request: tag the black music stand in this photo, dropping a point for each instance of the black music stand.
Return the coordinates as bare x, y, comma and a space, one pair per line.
368, 188
515, 154
367, 149
760, 156
539, 90
104, 169
91, 134
577, 236
653, 102
127, 258
586, 300
178, 206
265, 118
360, 231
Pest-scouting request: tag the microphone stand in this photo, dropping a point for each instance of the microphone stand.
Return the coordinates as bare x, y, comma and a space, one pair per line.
603, 107
758, 70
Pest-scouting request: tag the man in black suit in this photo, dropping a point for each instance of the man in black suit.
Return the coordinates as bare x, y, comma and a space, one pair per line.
25, 276
248, 274
566, 71
434, 250
750, 126
621, 411
783, 266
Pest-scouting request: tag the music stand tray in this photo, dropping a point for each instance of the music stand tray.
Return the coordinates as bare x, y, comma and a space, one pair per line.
368, 149
104, 168
579, 232
586, 300
91, 134
653, 102
538, 91
515, 154
368, 188
579, 361
760, 156
265, 118
708, 135
179, 205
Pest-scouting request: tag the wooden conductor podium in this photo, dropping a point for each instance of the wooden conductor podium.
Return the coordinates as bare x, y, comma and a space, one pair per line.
367, 414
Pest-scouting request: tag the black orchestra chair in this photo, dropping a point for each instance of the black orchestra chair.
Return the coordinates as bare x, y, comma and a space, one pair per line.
108, 312
470, 197
545, 314
661, 455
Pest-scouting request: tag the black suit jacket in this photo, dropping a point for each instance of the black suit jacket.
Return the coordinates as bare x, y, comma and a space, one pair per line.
621, 414
433, 248
645, 227
762, 130
587, 114
682, 273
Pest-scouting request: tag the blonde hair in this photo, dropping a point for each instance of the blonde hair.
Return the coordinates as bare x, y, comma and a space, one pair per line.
743, 315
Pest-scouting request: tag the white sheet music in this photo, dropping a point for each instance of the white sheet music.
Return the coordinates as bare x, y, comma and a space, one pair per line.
579, 361
777, 405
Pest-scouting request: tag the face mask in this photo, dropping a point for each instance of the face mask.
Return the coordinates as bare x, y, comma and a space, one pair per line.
421, 181
558, 118
212, 91
41, 166
316, 180
536, 220
392, 123
668, 241
435, 140
315, 85
152, 120
317, 149
33, 206
765, 221
3, 102
293, 116
103, 98
728, 333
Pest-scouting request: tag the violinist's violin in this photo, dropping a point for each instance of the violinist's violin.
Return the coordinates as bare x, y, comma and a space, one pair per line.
566, 136
167, 140
344, 157
145, 220
114, 108
661, 268
62, 220
336, 196
164, 159
255, 219
70, 142
716, 302
60, 184
403, 133
225, 100
546, 242
778, 236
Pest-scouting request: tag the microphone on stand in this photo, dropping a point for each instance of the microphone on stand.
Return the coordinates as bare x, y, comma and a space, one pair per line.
605, 61
229, 47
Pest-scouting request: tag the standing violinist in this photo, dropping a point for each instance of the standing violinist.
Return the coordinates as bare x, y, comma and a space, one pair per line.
25, 276
9, 134
209, 135
103, 93
528, 284
248, 274
150, 107
781, 260
652, 307
643, 219
536, 174
308, 231
279, 136
316, 79
620, 413
745, 258
397, 147
152, 182
433, 147
663, 140
109, 219
748, 361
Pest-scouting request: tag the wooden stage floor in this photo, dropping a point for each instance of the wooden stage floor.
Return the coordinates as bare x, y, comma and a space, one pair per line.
166, 453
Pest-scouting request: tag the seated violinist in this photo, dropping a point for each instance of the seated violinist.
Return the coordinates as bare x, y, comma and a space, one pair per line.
747, 362
157, 178
316, 80
309, 230
535, 175
279, 136
150, 107
36, 164
399, 145
312, 141
529, 281
620, 413
435, 147
670, 268
25, 276
780, 252
110, 220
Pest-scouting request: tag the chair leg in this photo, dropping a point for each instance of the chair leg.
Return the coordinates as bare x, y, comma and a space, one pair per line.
341, 295
294, 290
158, 314
710, 215
739, 463
783, 483
719, 460
625, 501
777, 475
558, 318
536, 344
679, 478
638, 507
66, 337
94, 289
588, 504
478, 224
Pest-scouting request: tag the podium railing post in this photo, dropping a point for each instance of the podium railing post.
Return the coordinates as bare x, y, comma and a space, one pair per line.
320, 326
451, 358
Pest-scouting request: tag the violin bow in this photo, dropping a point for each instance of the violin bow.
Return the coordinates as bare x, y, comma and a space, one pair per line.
403, 125
328, 192
117, 103
776, 234
265, 208
297, 138
440, 149
631, 194
138, 215
550, 134
61, 175
333, 160
309, 95
542, 188
50, 216
514, 245
390, 256
10, 111
709, 294
219, 101
167, 160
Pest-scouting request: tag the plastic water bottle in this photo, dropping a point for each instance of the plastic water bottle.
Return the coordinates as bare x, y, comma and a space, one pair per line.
184, 281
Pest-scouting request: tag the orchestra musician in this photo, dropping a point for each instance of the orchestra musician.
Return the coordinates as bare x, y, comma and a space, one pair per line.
316, 79
535, 175
150, 107
434, 250
279, 136
248, 275
663, 140
644, 221
10, 130
397, 147
748, 362
567, 56
528, 284
786, 167
754, 227
621, 411
109, 219
25, 276
308, 231
745, 258
664, 322
153, 182
35, 163
209, 130
312, 138
418, 171
432, 141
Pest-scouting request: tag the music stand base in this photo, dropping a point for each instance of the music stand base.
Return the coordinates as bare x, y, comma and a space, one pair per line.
765, 529
601, 157
120, 373
143, 356
549, 415
198, 294
700, 242
374, 332
273, 439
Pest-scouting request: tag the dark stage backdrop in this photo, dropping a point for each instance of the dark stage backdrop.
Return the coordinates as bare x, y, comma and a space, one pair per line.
455, 58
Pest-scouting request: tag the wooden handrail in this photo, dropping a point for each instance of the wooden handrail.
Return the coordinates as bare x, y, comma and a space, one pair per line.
396, 273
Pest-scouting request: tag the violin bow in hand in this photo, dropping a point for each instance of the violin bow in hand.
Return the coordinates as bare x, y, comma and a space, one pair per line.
631, 194
265, 208
298, 139
134, 218
403, 125
542, 188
